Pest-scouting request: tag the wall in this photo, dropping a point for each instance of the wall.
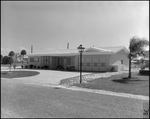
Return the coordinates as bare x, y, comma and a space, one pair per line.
115, 60
34, 63
77, 60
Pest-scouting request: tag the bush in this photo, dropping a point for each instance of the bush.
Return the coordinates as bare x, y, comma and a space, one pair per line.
34, 67
38, 67
5, 60
22, 66
70, 68
112, 69
26, 67
59, 67
31, 66
46, 67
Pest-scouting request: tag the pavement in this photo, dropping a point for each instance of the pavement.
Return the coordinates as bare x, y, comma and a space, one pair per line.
53, 78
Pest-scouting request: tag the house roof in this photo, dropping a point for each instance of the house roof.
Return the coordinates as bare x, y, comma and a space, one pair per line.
91, 50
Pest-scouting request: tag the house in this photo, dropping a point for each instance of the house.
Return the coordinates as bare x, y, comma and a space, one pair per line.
93, 59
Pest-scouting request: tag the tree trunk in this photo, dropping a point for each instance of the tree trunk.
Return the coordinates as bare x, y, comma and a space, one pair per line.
129, 66
10, 68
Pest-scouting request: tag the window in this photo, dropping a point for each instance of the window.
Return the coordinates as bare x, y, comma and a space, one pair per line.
103, 64
68, 61
36, 59
95, 64
31, 59
88, 63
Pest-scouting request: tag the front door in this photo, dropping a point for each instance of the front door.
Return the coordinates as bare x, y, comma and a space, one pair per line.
46, 61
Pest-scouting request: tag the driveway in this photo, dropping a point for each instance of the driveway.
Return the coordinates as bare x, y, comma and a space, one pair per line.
46, 77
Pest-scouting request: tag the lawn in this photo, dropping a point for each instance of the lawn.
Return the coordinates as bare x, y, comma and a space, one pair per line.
18, 74
138, 84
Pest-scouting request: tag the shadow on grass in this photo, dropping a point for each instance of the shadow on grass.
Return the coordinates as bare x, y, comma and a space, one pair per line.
126, 80
18, 74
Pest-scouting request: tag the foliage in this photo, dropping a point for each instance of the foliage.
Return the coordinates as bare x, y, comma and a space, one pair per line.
136, 48
70, 68
137, 45
23, 52
112, 69
5, 60
31, 66
1, 58
11, 54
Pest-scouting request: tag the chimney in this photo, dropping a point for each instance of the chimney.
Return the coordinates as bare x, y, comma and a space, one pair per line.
67, 45
31, 48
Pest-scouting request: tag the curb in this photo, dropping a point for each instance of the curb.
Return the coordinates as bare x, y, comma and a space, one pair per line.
87, 77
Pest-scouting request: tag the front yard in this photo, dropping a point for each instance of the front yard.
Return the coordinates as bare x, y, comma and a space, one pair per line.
138, 85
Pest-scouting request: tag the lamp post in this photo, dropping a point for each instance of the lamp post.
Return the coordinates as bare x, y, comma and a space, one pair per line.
81, 50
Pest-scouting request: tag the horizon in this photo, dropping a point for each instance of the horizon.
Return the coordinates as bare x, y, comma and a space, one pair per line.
50, 25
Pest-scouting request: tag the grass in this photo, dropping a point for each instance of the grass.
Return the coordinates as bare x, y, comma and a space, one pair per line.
138, 84
18, 74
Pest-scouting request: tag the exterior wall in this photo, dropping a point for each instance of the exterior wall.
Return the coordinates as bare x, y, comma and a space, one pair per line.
115, 60
34, 63
77, 61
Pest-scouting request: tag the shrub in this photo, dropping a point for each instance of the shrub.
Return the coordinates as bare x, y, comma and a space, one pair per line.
31, 66
70, 67
59, 67
112, 69
46, 67
26, 67
38, 67
34, 67
22, 66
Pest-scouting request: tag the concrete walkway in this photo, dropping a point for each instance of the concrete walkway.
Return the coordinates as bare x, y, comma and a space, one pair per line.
52, 77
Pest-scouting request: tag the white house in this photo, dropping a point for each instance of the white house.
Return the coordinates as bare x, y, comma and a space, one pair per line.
93, 59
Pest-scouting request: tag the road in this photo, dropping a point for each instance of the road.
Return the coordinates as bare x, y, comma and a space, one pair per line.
34, 101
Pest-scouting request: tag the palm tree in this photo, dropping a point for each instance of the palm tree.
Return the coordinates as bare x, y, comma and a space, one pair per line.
136, 48
23, 52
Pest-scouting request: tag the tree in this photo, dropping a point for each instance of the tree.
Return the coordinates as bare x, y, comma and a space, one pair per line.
5, 60
1, 58
23, 52
136, 48
11, 54
11, 58
10, 61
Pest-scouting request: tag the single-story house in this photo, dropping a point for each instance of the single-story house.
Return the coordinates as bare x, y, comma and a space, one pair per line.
93, 59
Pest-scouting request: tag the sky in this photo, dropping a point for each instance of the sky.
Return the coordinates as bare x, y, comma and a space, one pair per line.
49, 25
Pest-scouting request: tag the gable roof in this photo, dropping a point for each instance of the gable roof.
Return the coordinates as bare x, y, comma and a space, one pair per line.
97, 50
